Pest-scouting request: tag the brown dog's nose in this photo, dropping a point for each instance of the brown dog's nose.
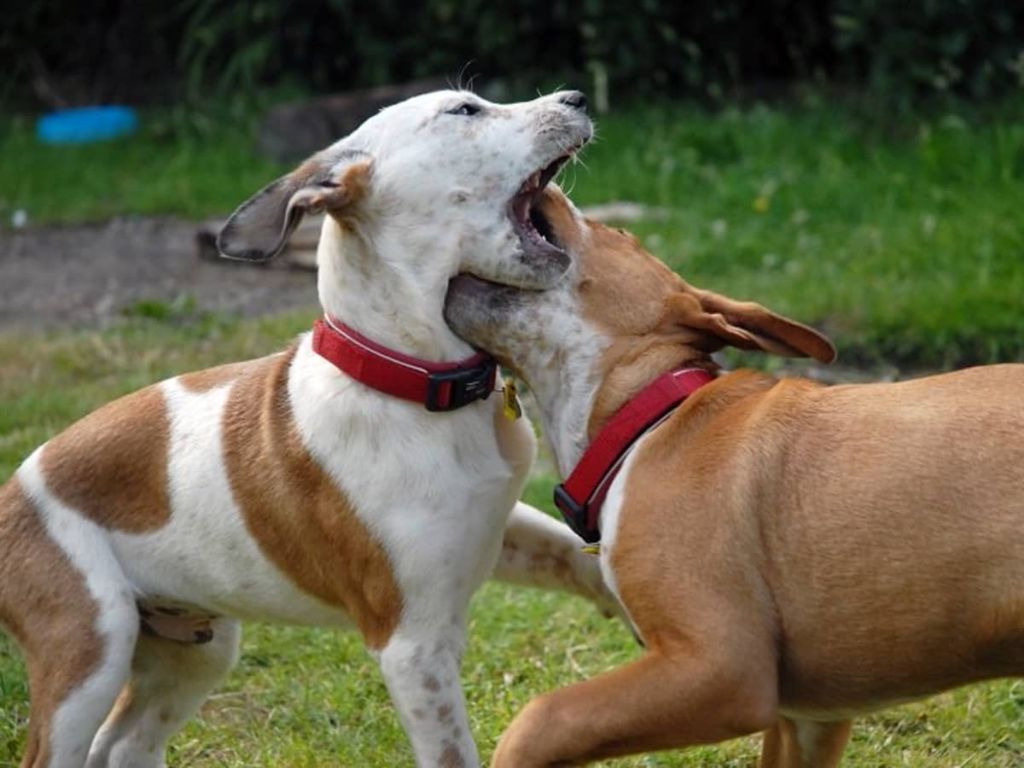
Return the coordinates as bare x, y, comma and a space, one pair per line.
574, 99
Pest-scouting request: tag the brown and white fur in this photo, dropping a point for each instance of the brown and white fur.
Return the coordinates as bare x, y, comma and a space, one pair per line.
280, 489
792, 554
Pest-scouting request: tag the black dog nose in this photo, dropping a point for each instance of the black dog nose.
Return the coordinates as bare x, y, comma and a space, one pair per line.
574, 99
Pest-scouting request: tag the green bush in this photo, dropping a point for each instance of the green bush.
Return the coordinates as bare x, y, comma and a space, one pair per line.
969, 47
147, 50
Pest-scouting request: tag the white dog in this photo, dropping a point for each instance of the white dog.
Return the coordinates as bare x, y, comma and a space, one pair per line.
285, 489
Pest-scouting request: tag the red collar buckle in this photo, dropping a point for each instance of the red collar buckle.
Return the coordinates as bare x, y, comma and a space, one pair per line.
436, 386
580, 497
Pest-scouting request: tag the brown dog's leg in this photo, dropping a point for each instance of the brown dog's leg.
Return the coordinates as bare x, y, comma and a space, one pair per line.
657, 702
804, 744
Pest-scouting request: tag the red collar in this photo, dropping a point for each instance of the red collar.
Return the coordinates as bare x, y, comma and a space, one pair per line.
580, 497
437, 386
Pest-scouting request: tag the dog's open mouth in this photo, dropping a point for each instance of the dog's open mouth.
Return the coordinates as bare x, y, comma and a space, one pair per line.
534, 231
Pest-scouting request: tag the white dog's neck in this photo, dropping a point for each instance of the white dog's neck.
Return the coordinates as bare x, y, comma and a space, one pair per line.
387, 293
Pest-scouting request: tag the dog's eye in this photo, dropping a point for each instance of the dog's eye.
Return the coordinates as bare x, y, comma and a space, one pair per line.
465, 109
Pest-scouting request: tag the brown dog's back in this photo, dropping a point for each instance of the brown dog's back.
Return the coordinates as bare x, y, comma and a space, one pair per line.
905, 503
876, 531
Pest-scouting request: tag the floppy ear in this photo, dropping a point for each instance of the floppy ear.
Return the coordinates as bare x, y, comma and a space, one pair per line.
260, 227
747, 325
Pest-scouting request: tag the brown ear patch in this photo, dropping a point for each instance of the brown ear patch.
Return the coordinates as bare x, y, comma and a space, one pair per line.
260, 227
46, 606
353, 187
745, 325
302, 521
686, 310
111, 466
335, 196
774, 333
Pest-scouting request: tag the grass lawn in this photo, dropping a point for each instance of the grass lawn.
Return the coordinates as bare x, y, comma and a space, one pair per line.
904, 242
311, 697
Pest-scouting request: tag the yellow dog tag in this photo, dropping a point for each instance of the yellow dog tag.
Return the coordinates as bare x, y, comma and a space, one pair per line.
513, 410
591, 549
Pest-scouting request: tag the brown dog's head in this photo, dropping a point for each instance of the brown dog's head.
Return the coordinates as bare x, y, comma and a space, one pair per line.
619, 317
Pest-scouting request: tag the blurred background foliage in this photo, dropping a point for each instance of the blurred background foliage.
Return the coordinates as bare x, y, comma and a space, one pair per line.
66, 52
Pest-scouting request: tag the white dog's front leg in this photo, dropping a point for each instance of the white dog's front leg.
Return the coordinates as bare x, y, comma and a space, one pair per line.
539, 551
422, 674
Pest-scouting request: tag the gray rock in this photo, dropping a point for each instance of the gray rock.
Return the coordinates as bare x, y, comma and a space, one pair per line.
293, 131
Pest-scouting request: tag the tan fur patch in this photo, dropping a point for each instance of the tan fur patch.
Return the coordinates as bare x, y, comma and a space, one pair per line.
46, 607
337, 200
301, 519
626, 292
112, 465
211, 378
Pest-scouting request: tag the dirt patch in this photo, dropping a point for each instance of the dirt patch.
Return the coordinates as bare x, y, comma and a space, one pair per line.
90, 274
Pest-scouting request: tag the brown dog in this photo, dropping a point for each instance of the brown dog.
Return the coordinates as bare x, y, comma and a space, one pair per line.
792, 554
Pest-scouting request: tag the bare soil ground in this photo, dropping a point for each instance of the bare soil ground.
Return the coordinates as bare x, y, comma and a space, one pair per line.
88, 275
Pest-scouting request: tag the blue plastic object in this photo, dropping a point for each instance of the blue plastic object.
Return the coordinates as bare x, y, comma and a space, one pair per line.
86, 124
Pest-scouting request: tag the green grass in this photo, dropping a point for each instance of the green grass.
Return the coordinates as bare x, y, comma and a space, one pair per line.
160, 170
305, 697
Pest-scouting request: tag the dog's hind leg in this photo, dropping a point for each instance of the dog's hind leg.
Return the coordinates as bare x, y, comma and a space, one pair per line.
539, 551
804, 744
65, 599
63, 719
169, 682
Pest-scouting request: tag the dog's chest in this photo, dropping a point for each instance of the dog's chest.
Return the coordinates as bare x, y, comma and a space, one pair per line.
433, 489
